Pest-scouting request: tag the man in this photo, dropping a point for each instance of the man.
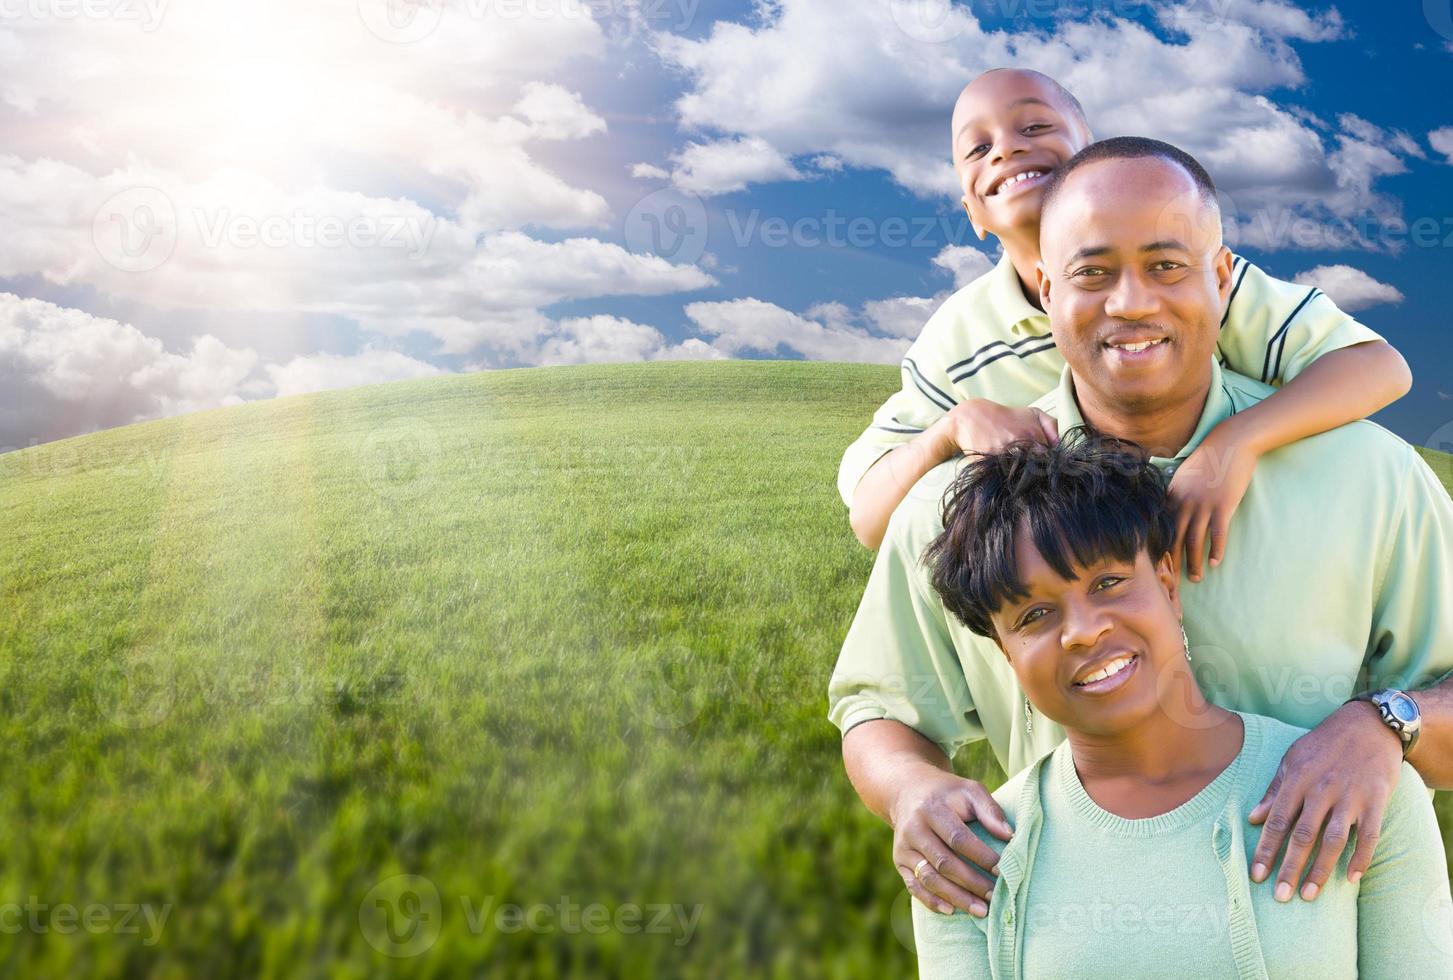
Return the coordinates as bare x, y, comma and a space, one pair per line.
1334, 581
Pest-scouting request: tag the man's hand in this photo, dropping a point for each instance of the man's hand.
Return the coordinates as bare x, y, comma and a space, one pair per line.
1205, 491
983, 426
930, 821
1340, 774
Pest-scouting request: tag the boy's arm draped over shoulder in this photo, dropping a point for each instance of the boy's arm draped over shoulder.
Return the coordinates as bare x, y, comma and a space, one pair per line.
983, 356
1272, 330
925, 396
1334, 371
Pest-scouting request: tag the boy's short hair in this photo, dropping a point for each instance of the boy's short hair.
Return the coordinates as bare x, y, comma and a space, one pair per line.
1087, 499
1077, 110
1129, 148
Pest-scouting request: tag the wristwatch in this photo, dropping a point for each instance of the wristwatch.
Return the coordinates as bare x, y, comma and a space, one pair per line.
1399, 712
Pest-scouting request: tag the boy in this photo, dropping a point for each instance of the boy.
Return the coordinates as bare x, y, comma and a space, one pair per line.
987, 352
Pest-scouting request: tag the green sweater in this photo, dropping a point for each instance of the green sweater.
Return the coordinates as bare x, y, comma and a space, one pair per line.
1085, 893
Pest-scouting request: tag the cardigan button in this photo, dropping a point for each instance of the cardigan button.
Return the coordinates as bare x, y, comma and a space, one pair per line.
1008, 917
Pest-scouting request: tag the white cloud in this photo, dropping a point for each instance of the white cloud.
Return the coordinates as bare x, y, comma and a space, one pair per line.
238, 242
880, 95
611, 339
64, 372
754, 325
1441, 140
1352, 289
326, 372
965, 262
648, 171
554, 112
729, 165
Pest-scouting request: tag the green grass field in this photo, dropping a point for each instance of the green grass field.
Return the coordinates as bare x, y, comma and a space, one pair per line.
552, 644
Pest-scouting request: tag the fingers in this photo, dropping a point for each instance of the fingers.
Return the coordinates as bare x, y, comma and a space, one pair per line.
953, 839
1329, 852
1369, 830
1304, 836
1048, 426
1258, 812
1177, 550
1195, 544
986, 810
1220, 525
1272, 834
916, 889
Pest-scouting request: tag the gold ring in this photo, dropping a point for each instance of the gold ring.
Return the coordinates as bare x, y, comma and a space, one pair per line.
918, 868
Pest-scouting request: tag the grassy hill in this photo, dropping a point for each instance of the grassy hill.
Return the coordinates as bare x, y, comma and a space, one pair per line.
329, 684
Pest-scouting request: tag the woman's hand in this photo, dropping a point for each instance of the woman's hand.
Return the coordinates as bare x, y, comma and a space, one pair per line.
1205, 491
930, 822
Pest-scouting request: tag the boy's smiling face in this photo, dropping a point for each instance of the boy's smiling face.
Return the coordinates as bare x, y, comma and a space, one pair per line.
1011, 128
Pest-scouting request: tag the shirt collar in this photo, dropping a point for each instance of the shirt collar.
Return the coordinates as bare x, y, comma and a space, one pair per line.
1006, 302
1218, 406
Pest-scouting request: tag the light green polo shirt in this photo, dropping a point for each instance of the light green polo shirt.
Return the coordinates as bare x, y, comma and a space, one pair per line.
1337, 578
988, 341
1172, 896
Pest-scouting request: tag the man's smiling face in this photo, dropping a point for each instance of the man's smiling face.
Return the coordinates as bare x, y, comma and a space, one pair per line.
1134, 277
1011, 128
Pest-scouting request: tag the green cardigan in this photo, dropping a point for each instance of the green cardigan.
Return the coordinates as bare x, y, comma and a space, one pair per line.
1083, 892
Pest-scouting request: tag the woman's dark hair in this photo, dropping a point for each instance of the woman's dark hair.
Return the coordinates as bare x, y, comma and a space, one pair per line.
1085, 500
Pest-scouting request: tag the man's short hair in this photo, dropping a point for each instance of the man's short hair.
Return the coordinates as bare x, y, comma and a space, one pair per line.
1129, 148
1087, 499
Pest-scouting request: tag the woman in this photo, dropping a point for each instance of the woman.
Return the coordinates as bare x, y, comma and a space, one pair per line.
1130, 848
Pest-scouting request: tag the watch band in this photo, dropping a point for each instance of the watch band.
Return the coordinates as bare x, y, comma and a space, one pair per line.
1407, 724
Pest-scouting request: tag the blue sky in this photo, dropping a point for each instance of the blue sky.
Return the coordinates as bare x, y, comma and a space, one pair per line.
495, 169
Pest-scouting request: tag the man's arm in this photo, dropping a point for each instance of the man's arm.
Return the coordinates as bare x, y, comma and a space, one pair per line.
1342, 773
900, 697
907, 781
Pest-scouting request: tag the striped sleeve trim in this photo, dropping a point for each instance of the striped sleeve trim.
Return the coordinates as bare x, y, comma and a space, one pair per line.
1019, 350
1236, 288
1271, 368
900, 427
990, 347
931, 391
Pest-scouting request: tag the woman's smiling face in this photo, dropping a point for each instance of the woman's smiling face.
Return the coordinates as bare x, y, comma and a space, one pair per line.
1091, 653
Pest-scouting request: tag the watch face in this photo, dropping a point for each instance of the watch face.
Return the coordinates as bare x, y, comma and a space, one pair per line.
1403, 708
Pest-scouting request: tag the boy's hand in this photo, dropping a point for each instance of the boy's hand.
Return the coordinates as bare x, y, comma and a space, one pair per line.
983, 426
1205, 491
